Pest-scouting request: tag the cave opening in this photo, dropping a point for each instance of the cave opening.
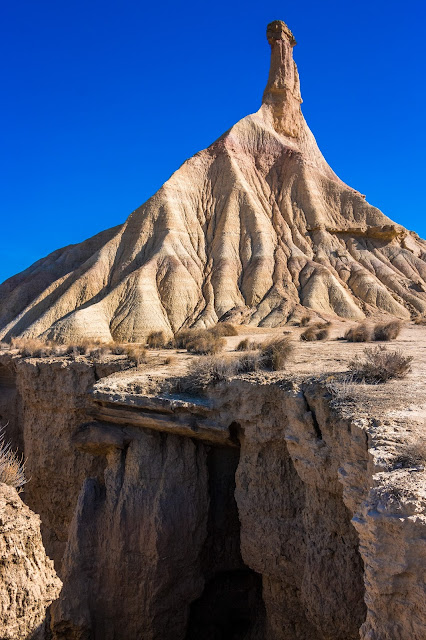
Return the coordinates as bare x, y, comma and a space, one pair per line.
231, 606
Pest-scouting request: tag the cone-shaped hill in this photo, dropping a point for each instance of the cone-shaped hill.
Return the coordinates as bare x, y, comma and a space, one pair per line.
250, 229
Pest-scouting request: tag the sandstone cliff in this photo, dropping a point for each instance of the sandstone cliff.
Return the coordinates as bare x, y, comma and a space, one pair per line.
250, 228
28, 582
258, 511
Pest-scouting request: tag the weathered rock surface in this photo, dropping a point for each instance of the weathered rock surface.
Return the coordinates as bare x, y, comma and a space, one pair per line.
250, 228
28, 582
297, 525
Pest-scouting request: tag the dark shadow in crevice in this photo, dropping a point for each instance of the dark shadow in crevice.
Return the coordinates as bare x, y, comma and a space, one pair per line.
231, 606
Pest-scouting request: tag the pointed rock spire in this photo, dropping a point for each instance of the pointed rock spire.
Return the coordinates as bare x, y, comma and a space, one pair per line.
282, 92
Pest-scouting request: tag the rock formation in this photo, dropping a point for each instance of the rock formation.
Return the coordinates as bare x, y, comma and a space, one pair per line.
250, 228
28, 582
256, 512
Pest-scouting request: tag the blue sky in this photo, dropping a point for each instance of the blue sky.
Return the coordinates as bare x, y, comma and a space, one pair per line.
102, 101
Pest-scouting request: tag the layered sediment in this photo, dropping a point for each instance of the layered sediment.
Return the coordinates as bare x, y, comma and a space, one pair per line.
252, 228
257, 511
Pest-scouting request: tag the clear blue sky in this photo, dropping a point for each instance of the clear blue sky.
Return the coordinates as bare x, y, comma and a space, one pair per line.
103, 100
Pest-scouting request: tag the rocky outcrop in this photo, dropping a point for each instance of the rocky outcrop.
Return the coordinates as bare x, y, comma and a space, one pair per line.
28, 582
250, 228
258, 512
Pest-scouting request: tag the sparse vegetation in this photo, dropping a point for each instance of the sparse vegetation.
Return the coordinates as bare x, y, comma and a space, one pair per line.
411, 455
12, 465
361, 333
275, 353
387, 331
317, 331
379, 365
184, 336
247, 345
305, 320
34, 347
204, 342
156, 340
223, 329
136, 353
206, 372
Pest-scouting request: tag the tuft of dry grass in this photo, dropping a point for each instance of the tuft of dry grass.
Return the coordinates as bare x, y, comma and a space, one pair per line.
275, 353
12, 465
247, 345
380, 365
223, 329
361, 333
411, 455
183, 336
317, 331
387, 331
205, 343
305, 320
206, 372
33, 347
156, 340
136, 353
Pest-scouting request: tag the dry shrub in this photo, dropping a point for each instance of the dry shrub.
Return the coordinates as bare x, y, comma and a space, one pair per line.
379, 365
136, 353
156, 340
206, 372
88, 347
169, 360
205, 343
275, 353
12, 465
223, 329
387, 331
412, 455
247, 345
184, 336
33, 347
317, 331
249, 361
305, 320
361, 333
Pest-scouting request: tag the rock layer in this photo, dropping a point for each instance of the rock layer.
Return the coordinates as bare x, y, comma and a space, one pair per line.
295, 525
250, 228
28, 582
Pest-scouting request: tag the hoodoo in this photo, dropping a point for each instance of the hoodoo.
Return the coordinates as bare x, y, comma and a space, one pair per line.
251, 229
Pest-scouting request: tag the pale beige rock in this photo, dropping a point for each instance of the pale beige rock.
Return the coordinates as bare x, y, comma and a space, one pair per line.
251, 227
28, 582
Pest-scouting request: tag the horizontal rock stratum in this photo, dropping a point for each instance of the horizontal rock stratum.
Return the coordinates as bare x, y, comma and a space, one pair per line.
249, 229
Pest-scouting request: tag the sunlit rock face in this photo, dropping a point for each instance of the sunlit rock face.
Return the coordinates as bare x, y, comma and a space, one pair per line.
251, 229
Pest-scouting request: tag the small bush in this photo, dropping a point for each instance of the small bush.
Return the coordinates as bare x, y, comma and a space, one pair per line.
12, 465
379, 365
223, 329
205, 343
32, 347
247, 345
305, 320
156, 340
361, 333
136, 353
412, 455
184, 336
208, 371
275, 353
249, 361
387, 331
318, 331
